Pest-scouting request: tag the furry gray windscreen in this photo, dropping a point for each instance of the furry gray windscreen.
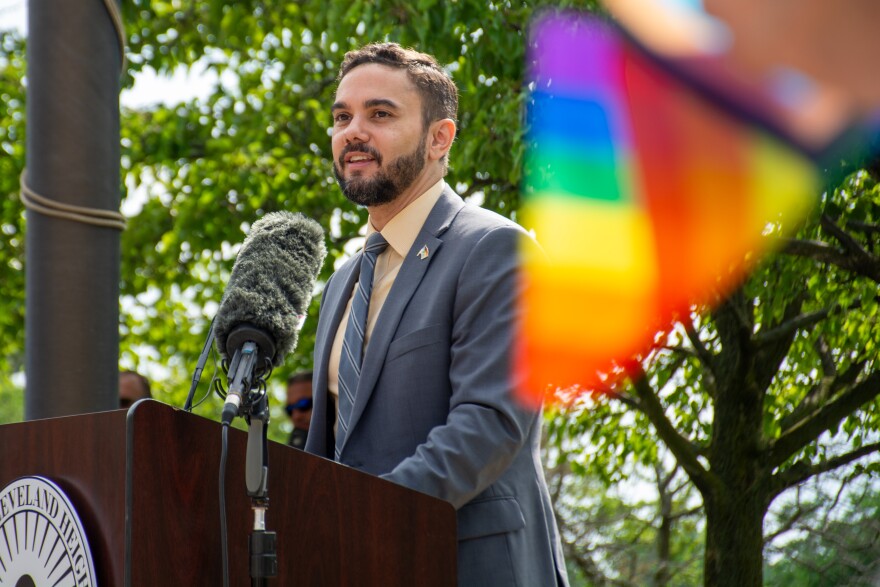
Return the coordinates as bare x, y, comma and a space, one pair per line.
272, 279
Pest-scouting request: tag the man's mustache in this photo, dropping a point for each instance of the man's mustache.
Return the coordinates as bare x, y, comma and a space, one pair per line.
359, 148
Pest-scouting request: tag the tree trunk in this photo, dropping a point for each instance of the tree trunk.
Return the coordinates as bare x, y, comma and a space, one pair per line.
664, 538
736, 504
734, 541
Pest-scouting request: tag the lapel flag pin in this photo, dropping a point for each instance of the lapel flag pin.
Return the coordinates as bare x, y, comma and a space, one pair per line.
424, 252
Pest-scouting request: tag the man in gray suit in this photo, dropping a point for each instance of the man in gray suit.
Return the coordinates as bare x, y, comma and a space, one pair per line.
431, 405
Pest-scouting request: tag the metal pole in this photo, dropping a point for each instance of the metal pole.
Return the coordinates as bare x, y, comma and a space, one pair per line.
72, 268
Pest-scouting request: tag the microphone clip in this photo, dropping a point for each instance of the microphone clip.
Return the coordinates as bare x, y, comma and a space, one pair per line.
244, 375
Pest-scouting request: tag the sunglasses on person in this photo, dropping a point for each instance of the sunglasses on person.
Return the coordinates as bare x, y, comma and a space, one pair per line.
303, 405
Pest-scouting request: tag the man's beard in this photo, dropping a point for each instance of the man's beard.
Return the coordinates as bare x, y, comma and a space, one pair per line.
387, 184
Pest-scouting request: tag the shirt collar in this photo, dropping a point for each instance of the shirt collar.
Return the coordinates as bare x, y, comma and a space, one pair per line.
402, 230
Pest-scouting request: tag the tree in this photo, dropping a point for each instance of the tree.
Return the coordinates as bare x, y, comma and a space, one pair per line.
836, 536
12, 68
741, 396
626, 518
198, 173
774, 386
745, 397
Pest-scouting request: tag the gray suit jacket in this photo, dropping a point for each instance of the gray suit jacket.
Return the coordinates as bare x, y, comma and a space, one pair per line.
433, 409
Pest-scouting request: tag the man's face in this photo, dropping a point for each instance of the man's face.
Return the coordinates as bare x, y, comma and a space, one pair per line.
296, 392
379, 140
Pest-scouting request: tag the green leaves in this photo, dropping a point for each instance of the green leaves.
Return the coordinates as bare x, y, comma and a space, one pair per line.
198, 173
12, 223
775, 386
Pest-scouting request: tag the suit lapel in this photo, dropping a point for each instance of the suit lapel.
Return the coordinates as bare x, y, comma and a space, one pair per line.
412, 271
332, 308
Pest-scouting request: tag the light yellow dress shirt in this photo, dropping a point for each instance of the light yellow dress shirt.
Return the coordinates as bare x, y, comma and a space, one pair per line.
400, 232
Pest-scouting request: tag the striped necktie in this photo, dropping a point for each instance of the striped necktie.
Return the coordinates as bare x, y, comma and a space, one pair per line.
353, 340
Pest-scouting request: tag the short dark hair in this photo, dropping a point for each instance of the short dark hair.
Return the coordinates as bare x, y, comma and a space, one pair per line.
438, 92
300, 377
143, 381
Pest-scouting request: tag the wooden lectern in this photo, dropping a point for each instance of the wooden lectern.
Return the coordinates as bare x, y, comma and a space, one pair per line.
145, 486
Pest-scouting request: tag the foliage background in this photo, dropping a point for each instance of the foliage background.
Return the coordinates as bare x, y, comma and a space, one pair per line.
197, 173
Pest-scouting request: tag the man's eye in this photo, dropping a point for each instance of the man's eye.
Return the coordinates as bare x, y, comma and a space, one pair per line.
382, 114
340, 117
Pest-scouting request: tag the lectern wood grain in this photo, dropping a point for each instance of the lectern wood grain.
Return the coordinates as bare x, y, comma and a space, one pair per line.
149, 478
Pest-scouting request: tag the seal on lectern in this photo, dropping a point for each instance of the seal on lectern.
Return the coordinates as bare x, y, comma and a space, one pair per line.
42, 541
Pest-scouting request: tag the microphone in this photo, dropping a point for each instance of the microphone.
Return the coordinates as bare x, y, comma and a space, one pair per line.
266, 299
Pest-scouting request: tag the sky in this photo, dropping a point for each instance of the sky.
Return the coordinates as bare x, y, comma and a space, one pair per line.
149, 87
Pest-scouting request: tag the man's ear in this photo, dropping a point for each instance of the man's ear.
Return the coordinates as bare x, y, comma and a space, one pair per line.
441, 135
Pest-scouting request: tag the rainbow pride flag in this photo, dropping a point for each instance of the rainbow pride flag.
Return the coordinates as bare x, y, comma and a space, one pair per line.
647, 196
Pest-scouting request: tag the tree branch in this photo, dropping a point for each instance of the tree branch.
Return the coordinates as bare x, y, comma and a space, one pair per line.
824, 418
830, 383
853, 257
771, 347
844, 238
789, 524
679, 356
800, 472
706, 358
789, 328
829, 365
865, 227
624, 398
816, 250
687, 513
680, 447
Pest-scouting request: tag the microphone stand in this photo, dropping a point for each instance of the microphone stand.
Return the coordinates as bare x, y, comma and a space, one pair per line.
261, 546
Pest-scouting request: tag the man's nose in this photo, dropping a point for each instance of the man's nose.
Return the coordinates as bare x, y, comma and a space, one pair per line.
355, 131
